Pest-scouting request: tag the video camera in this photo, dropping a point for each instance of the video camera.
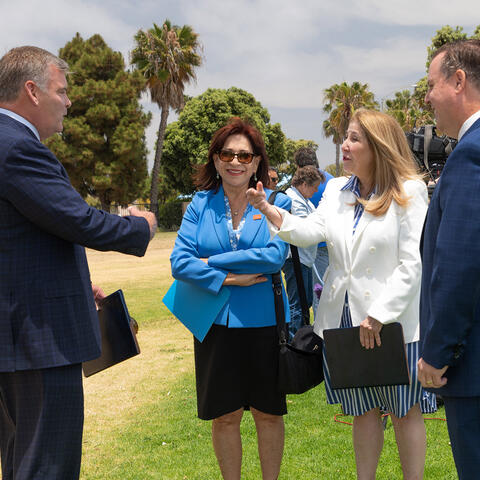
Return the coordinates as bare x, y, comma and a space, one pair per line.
430, 150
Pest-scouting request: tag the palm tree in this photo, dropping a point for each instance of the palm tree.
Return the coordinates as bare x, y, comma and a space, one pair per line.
340, 101
167, 57
406, 108
329, 131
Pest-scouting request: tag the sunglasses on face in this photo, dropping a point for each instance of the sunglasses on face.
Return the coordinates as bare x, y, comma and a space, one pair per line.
274, 179
229, 155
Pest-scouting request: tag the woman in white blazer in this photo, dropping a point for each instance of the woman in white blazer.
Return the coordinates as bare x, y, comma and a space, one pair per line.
372, 223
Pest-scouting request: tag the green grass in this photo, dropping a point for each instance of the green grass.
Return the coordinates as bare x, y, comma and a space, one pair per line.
141, 415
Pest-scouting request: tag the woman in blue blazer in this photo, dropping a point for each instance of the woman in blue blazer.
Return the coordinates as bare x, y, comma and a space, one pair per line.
223, 242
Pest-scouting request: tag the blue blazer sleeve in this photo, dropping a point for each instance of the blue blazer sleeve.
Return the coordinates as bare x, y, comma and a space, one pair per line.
455, 266
185, 258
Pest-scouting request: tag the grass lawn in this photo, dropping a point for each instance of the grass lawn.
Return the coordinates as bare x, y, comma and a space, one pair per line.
140, 416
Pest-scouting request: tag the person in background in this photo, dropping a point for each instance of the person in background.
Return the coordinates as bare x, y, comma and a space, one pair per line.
372, 223
450, 298
223, 242
304, 184
302, 157
273, 176
48, 320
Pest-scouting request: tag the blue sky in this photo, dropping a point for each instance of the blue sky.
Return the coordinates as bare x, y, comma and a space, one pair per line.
283, 52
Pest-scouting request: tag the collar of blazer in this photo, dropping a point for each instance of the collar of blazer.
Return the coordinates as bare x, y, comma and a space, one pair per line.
219, 221
474, 127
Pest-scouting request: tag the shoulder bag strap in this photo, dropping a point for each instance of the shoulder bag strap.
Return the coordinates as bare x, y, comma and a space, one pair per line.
298, 272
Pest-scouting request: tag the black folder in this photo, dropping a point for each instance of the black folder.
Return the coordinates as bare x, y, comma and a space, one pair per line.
351, 366
119, 341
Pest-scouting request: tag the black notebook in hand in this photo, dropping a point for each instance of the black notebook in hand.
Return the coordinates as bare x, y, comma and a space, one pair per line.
119, 341
351, 366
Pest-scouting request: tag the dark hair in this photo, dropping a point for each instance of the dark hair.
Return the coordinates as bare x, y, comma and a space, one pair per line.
461, 55
308, 174
305, 156
273, 169
205, 178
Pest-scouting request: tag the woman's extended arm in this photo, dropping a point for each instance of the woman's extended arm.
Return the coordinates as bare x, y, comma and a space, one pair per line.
258, 200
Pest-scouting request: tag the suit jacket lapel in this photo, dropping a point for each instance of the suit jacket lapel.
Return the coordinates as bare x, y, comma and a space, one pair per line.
347, 199
253, 221
219, 219
365, 219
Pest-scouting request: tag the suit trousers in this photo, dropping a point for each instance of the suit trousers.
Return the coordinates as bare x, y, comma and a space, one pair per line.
463, 420
41, 423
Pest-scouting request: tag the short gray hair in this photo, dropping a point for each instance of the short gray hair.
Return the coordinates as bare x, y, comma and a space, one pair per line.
21, 64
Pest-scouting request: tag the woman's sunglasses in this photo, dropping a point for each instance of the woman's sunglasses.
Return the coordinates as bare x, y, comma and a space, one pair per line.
229, 155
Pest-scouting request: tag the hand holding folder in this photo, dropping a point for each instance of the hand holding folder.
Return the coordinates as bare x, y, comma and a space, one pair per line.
352, 366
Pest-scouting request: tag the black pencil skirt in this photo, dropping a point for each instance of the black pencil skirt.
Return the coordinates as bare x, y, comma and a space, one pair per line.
237, 368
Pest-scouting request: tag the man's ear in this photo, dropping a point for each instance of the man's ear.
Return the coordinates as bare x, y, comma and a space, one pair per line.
31, 89
460, 80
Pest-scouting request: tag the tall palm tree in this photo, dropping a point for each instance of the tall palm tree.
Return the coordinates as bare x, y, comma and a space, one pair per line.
167, 57
329, 131
340, 101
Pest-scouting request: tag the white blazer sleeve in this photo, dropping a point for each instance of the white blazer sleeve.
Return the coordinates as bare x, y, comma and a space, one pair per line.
303, 231
403, 285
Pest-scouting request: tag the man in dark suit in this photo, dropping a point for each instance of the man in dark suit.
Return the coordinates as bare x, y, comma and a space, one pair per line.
450, 298
48, 320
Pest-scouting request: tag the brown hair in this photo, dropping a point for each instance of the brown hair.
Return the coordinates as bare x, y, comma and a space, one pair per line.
205, 178
461, 55
393, 162
308, 174
22, 64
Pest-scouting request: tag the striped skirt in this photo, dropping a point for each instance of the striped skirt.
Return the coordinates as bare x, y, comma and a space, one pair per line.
396, 399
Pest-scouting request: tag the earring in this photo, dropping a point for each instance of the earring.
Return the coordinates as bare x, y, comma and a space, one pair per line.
218, 176
255, 176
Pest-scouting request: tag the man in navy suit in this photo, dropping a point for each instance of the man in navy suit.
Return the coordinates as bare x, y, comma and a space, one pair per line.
48, 319
450, 298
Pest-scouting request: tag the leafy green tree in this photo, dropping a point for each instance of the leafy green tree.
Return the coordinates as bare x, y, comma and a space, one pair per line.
167, 57
446, 34
103, 145
340, 101
187, 140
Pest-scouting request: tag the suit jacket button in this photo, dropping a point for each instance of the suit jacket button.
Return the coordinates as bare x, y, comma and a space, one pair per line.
372, 249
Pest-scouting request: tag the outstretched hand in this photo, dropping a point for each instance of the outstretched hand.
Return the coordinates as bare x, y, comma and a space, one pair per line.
257, 197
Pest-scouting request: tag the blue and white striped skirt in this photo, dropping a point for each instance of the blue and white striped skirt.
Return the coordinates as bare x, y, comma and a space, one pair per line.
396, 399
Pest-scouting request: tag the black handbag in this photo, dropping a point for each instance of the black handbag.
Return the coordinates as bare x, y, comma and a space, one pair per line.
300, 362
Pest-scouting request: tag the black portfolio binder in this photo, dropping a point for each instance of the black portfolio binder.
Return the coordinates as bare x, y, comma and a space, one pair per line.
119, 341
351, 366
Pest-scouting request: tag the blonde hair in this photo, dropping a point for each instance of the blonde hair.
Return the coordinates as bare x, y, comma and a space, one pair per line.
393, 161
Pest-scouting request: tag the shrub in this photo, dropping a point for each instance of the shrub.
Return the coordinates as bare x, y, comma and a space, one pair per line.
170, 214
